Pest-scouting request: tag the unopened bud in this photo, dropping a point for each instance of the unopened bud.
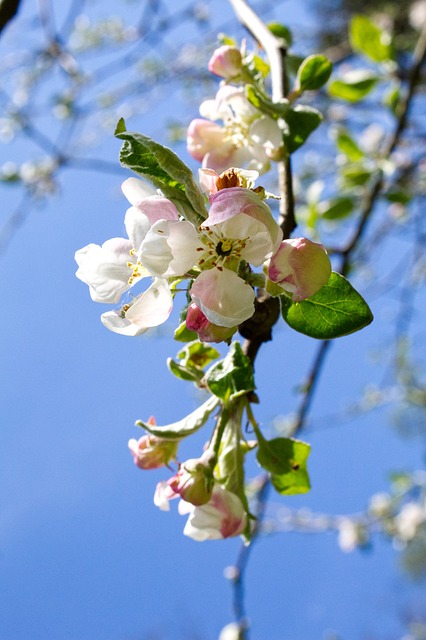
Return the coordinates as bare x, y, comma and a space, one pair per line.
300, 267
226, 62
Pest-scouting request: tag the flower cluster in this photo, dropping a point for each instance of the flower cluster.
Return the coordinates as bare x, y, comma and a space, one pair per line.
163, 246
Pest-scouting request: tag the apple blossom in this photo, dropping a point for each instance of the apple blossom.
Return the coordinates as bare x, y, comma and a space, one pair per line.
226, 62
300, 267
222, 517
247, 137
150, 452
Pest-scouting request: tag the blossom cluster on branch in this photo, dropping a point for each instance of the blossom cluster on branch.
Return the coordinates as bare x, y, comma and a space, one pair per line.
215, 246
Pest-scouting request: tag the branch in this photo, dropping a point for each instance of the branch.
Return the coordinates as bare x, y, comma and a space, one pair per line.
8, 10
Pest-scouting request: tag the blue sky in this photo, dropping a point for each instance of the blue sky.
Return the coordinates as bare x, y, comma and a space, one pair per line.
84, 554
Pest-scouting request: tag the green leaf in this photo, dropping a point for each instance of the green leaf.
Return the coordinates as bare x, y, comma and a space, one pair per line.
368, 39
336, 310
231, 377
185, 372
313, 73
301, 122
265, 105
229, 470
355, 175
285, 459
347, 145
185, 427
282, 32
354, 85
198, 354
336, 208
164, 169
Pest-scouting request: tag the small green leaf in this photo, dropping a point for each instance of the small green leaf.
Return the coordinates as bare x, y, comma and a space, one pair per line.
301, 122
231, 377
282, 32
336, 208
285, 459
368, 39
347, 145
229, 470
185, 427
313, 73
355, 175
335, 311
198, 354
398, 195
184, 372
353, 86
265, 105
164, 169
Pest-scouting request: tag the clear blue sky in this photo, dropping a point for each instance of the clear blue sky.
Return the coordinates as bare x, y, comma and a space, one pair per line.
84, 554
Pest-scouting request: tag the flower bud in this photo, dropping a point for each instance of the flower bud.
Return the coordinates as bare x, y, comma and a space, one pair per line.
300, 267
150, 452
194, 481
226, 62
206, 330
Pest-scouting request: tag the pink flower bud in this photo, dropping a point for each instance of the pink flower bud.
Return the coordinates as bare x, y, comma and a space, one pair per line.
193, 482
207, 331
300, 267
226, 62
150, 452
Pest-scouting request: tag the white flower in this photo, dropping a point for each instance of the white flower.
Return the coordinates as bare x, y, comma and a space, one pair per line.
246, 137
222, 517
408, 521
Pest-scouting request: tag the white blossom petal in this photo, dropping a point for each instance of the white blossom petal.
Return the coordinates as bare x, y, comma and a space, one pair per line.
136, 190
223, 297
105, 269
152, 307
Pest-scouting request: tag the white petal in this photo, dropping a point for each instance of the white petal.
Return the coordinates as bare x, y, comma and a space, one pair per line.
170, 248
137, 226
153, 307
135, 190
223, 297
114, 321
105, 269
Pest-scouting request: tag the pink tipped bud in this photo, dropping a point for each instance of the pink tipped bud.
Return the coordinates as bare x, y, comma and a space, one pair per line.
207, 331
226, 62
193, 482
150, 452
300, 267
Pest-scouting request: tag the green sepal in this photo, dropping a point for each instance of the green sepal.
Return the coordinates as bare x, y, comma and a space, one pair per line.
262, 102
185, 427
336, 310
313, 73
164, 169
183, 334
368, 39
301, 122
285, 459
232, 376
354, 86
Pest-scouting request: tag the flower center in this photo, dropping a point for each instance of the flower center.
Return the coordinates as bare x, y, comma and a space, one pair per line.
220, 251
224, 248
